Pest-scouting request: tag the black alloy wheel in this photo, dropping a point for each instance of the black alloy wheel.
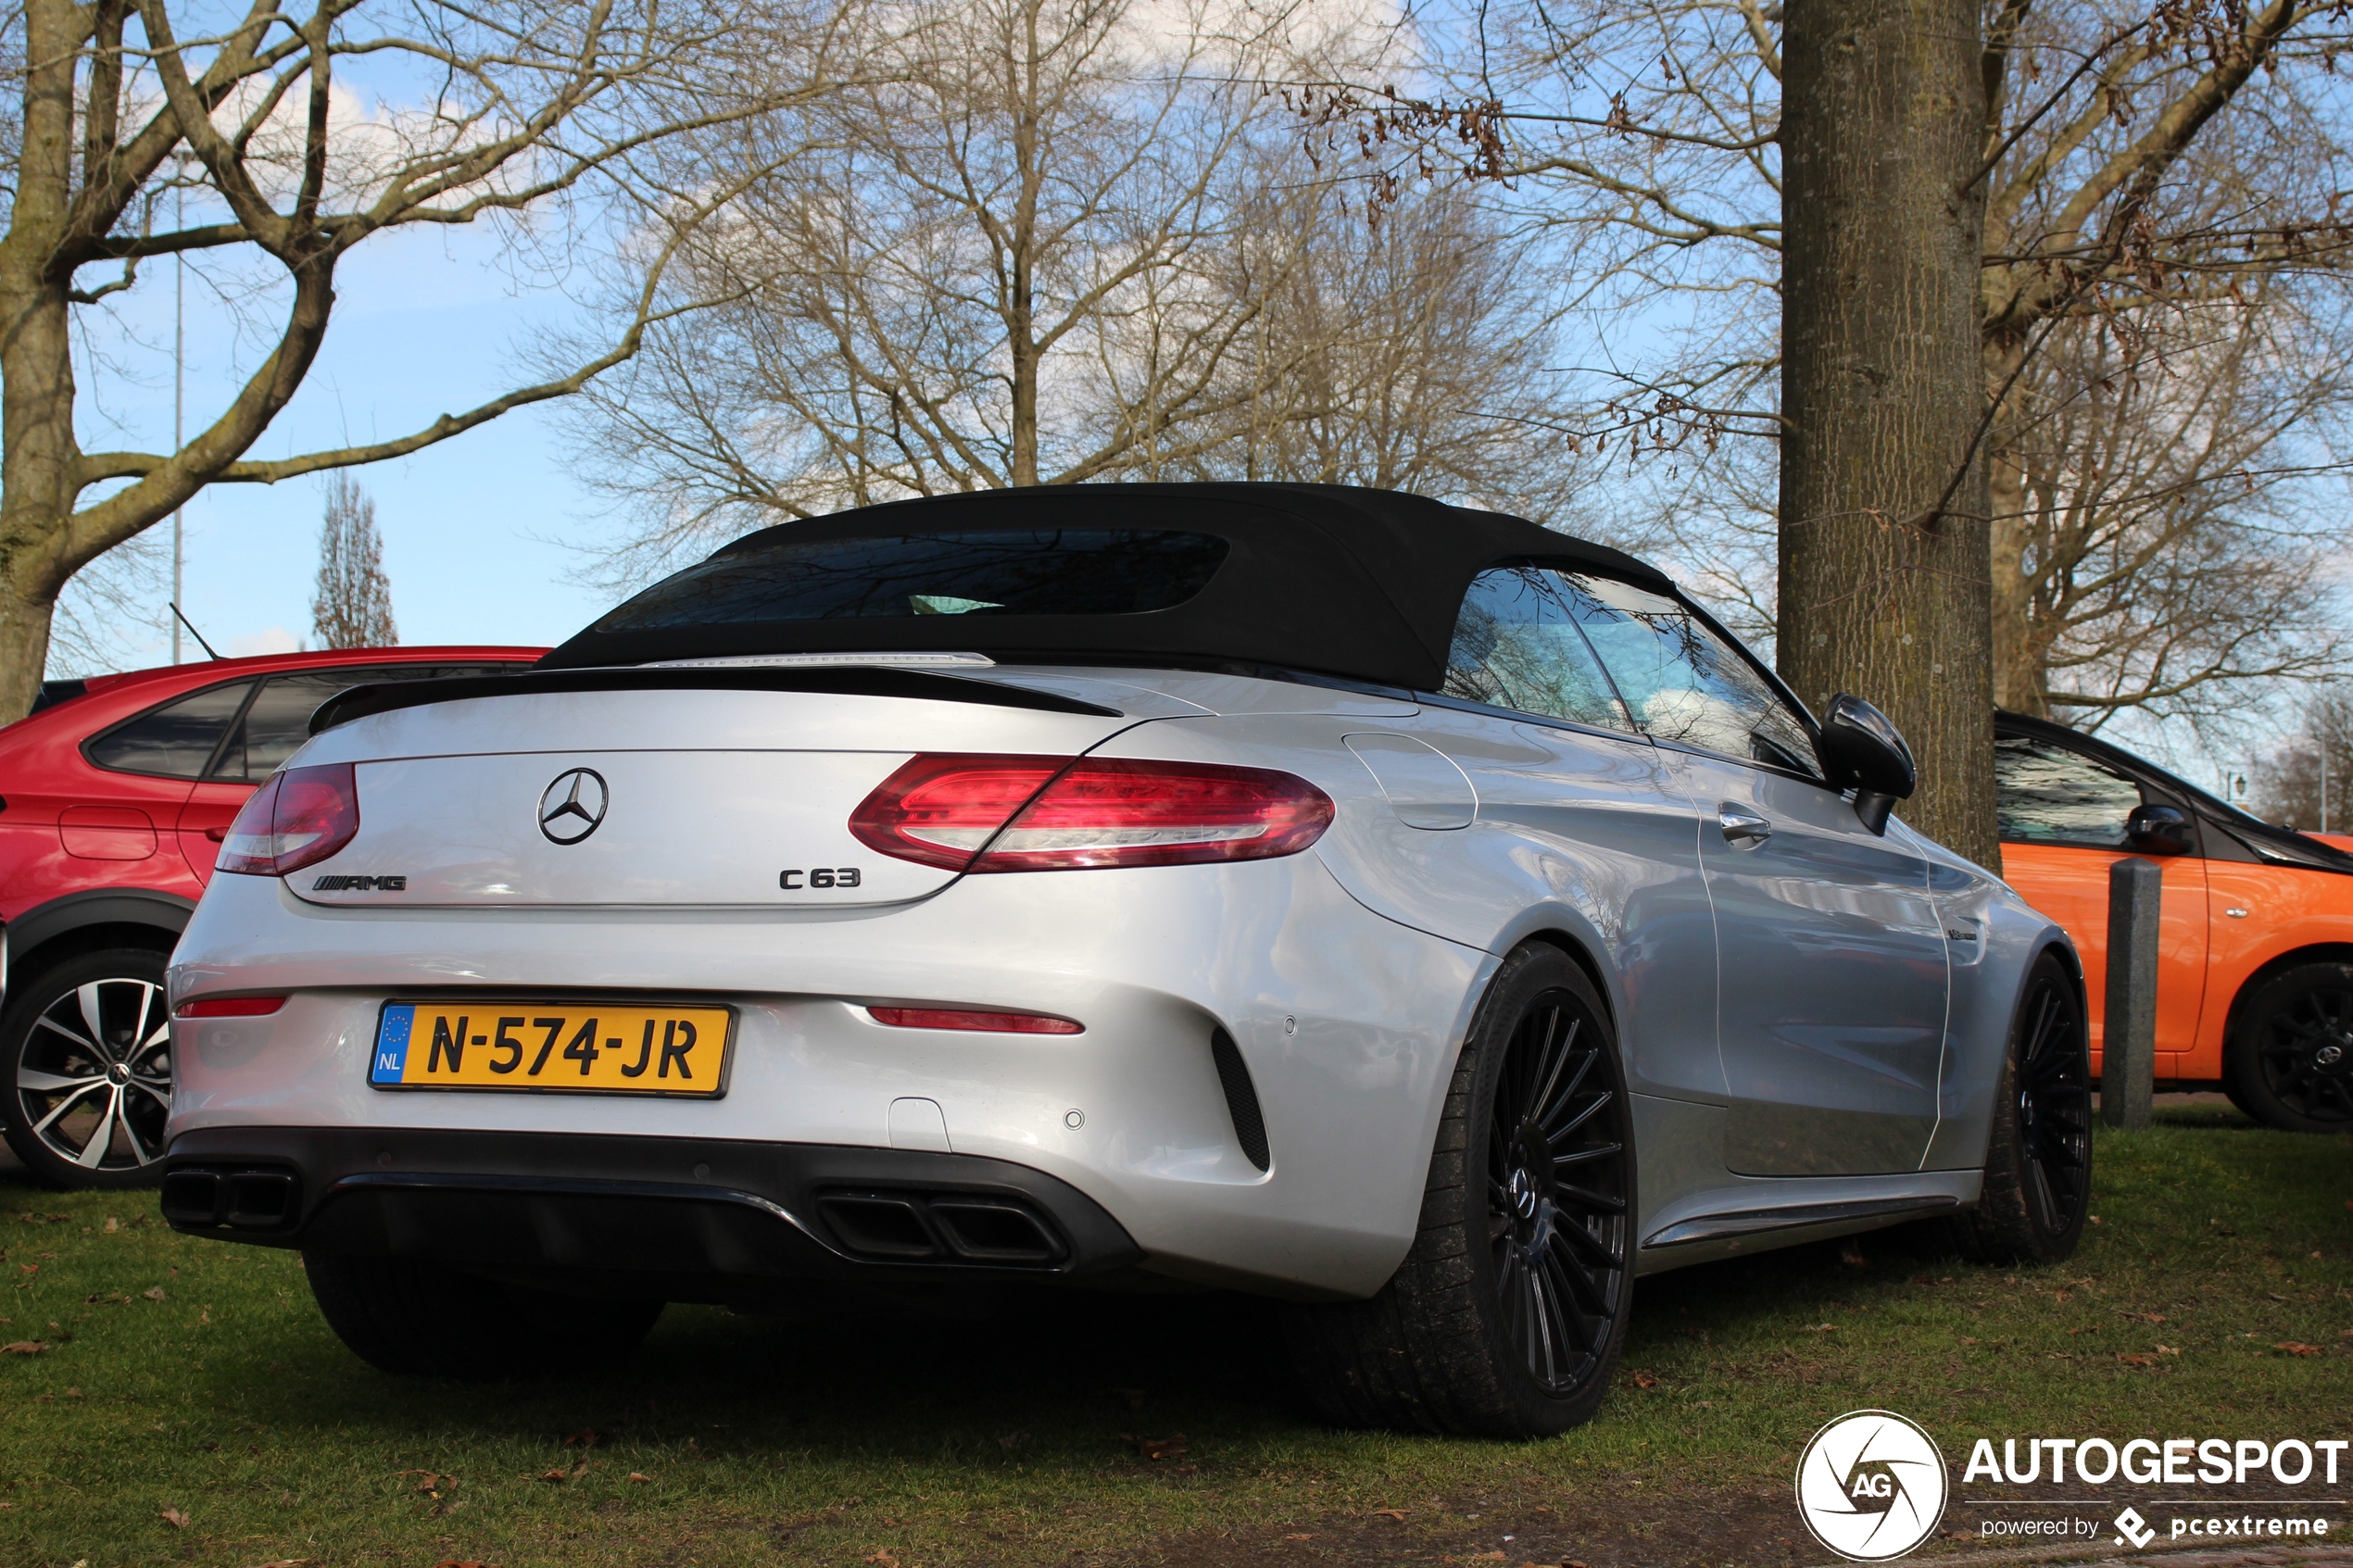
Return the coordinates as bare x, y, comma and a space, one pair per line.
2054, 1088
85, 1055
2291, 1064
1556, 1218
2038, 1152
1509, 1310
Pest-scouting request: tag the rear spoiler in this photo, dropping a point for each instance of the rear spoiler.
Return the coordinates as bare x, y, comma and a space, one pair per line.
848, 680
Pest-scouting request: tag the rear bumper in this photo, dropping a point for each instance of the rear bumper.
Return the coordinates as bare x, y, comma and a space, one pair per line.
691, 1219
1344, 1027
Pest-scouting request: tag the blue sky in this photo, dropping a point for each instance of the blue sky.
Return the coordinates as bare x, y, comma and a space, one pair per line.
424, 322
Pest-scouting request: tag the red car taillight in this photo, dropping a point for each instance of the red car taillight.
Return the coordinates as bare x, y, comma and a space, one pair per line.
1050, 813
300, 817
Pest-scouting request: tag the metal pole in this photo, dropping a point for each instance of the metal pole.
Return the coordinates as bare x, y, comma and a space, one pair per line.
179, 401
2128, 1030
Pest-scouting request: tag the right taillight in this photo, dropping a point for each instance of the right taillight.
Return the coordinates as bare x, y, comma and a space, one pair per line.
1051, 813
300, 817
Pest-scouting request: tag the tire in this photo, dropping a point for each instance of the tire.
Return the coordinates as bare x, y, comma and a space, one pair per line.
86, 1070
2289, 1063
1507, 1316
420, 1319
2038, 1157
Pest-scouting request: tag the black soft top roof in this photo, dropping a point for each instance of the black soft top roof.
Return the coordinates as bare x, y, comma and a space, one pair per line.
1330, 578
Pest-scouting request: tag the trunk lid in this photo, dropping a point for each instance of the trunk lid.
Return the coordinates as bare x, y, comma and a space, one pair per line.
654, 797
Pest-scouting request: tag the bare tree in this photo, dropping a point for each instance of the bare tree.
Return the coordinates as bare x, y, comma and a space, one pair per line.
2153, 546
1416, 353
351, 607
549, 116
2304, 782
1069, 243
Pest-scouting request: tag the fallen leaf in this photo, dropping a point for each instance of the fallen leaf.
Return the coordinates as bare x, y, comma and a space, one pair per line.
112, 1225
639, 1475
883, 1559
1644, 1380
2297, 1347
1821, 1328
1396, 1513
587, 1438
1488, 1557
23, 1348
2134, 1359
153, 1293
1299, 1537
554, 1475
29, 1268
2168, 1349
468, 1563
1155, 1448
2094, 1218
174, 1518
287, 1562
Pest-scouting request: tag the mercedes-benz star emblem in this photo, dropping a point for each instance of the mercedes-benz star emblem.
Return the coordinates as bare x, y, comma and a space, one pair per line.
573, 805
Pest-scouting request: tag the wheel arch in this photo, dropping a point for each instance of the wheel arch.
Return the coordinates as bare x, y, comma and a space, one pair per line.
1574, 947
85, 922
2270, 969
2072, 963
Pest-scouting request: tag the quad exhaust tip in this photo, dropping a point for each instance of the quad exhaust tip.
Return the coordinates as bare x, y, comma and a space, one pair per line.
247, 1200
917, 1227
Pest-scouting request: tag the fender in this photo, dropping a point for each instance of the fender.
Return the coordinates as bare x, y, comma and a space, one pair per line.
107, 905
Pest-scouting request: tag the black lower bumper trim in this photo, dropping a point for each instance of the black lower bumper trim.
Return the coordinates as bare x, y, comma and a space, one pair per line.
687, 1219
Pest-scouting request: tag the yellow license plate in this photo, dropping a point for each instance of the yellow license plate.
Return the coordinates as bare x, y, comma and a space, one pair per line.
566, 1047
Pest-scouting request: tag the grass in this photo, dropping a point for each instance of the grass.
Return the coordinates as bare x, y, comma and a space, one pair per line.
196, 1377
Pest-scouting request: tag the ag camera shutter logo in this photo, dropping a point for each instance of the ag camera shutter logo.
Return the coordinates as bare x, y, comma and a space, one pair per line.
1872, 1485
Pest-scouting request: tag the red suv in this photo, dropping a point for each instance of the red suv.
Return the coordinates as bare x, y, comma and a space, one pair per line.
115, 794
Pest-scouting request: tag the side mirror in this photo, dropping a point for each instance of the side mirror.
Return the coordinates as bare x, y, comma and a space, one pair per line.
2160, 830
1861, 749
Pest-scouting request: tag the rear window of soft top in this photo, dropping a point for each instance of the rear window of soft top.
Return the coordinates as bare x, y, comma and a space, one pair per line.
1049, 571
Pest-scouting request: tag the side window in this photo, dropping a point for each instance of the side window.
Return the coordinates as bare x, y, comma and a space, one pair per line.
175, 740
1517, 646
1686, 684
279, 721
2046, 794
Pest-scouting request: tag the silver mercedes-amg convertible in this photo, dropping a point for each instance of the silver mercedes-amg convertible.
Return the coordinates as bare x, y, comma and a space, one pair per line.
1418, 915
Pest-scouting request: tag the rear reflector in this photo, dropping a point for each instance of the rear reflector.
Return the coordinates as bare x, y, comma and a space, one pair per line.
968, 1018
229, 1006
993, 813
299, 818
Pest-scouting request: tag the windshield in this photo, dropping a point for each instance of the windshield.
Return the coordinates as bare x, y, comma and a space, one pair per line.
1052, 572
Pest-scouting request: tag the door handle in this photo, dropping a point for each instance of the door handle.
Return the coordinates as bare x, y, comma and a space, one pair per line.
1743, 830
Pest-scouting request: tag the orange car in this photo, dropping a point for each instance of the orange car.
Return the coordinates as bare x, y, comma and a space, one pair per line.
2255, 967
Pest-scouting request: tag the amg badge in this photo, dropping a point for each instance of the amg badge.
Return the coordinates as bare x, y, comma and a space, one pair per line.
361, 885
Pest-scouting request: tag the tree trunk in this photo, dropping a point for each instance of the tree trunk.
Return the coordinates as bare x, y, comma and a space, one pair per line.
38, 482
1883, 536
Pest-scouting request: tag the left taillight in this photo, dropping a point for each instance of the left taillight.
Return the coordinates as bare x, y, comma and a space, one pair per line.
982, 813
300, 817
